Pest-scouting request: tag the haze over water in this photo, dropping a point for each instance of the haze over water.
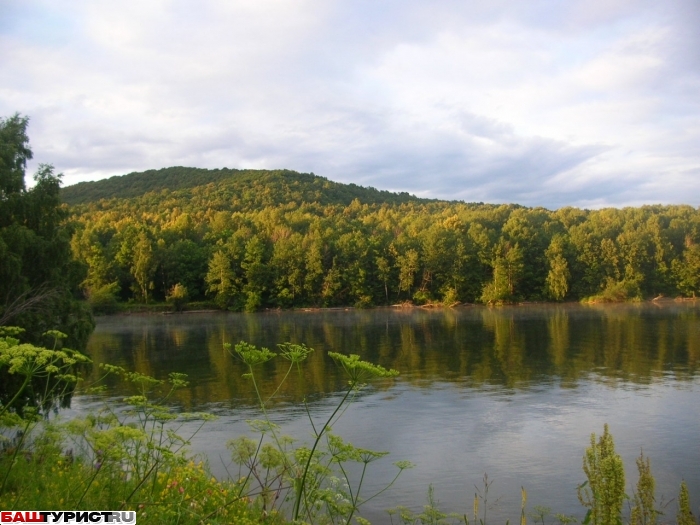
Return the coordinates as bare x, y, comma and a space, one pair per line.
512, 392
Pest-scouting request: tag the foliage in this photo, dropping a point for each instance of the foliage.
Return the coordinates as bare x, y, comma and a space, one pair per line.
431, 515
38, 277
644, 511
507, 272
177, 296
103, 299
559, 276
604, 491
251, 240
221, 279
134, 458
307, 186
684, 515
46, 374
143, 266
450, 297
616, 292
314, 478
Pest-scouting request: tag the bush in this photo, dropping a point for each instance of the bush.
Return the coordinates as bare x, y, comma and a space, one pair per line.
177, 297
450, 297
103, 300
421, 297
617, 292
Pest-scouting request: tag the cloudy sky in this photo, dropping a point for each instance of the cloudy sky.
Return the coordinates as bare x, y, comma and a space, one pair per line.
541, 102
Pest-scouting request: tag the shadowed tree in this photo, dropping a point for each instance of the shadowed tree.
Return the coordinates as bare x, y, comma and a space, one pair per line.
38, 277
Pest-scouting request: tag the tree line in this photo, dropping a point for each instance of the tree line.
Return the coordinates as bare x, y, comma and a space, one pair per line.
280, 239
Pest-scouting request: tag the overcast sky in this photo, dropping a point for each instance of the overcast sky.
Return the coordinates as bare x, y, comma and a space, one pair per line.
540, 102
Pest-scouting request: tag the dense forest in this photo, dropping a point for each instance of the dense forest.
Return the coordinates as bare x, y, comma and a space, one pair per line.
254, 239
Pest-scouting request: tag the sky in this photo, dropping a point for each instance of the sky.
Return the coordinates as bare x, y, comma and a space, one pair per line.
538, 102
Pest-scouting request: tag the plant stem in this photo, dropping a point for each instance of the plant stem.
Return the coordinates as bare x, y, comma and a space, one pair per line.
4, 409
297, 501
14, 456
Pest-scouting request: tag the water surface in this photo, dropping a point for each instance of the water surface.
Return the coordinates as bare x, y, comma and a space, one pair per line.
512, 392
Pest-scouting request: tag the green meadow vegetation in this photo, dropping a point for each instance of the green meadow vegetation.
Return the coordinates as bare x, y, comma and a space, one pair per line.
247, 240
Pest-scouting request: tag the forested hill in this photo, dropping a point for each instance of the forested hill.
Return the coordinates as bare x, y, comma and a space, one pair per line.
257, 188
267, 239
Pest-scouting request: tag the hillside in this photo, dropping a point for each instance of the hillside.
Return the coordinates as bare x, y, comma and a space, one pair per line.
255, 187
254, 239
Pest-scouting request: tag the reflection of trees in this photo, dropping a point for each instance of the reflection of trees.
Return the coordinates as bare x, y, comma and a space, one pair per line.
686, 335
635, 343
512, 347
142, 358
558, 331
509, 345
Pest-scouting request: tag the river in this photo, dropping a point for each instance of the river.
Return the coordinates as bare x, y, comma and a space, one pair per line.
511, 392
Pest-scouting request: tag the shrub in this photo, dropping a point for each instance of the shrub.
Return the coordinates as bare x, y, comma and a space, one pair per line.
103, 300
177, 297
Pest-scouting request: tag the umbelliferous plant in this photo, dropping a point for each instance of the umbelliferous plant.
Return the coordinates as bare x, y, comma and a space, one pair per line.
314, 478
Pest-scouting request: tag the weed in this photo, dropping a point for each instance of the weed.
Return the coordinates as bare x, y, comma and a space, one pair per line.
604, 491
314, 479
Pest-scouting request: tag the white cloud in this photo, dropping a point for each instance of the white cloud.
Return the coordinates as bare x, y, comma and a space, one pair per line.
544, 103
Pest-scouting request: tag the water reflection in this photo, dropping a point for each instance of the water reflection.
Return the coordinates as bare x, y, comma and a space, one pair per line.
511, 348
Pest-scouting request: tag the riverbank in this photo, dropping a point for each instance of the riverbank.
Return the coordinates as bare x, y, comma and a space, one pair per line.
199, 307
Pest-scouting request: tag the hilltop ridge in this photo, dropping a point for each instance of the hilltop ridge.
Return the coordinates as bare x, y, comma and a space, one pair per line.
278, 185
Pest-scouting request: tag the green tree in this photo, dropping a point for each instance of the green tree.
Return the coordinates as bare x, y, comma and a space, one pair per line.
287, 268
530, 230
687, 270
407, 266
383, 272
255, 273
313, 278
220, 279
39, 280
184, 261
557, 283
354, 256
507, 272
14, 154
433, 249
143, 265
331, 285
